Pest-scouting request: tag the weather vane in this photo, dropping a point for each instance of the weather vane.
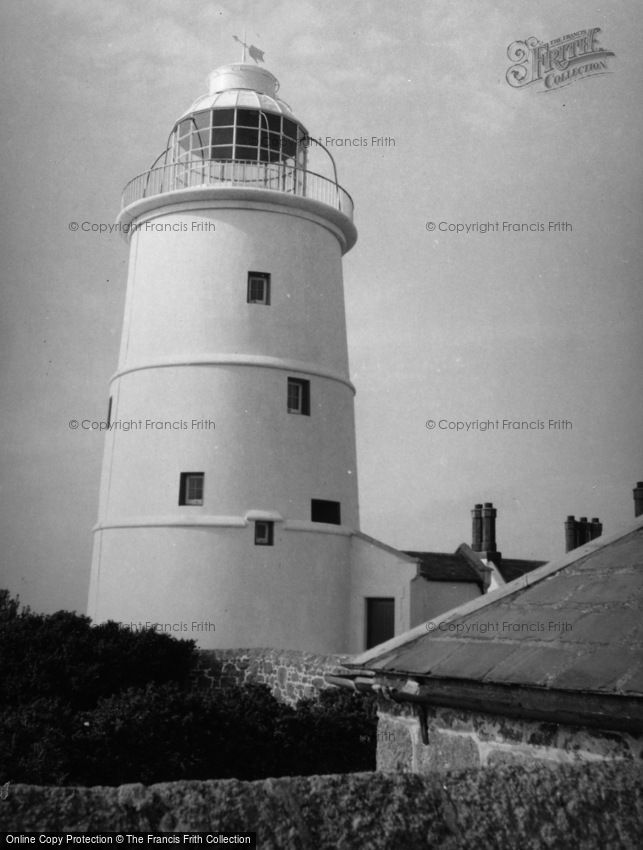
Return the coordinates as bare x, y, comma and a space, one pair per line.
254, 51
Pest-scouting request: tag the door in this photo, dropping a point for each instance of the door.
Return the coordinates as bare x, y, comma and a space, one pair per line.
380, 620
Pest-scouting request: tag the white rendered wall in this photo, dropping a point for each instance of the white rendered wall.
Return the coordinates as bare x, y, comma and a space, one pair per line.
258, 457
187, 290
431, 599
378, 570
193, 349
291, 595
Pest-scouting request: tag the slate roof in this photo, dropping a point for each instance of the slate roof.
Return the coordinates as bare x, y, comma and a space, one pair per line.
512, 568
442, 566
573, 625
464, 565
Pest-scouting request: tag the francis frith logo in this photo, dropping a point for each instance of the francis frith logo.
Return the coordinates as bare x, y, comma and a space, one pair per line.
557, 63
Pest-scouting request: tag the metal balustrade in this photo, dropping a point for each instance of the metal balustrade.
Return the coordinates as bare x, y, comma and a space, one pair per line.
277, 177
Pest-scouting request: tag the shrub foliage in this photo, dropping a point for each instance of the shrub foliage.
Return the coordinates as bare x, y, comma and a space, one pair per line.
102, 705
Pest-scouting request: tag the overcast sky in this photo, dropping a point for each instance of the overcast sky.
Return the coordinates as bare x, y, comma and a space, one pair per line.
449, 327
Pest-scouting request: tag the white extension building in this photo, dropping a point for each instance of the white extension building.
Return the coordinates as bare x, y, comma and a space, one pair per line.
228, 507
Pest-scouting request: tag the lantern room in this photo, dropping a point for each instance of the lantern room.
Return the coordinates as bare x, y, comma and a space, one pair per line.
240, 119
240, 134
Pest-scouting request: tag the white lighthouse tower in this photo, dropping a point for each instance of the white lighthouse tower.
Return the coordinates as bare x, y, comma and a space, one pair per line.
229, 489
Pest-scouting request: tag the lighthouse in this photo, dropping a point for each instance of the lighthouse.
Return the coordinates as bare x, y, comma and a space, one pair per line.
228, 498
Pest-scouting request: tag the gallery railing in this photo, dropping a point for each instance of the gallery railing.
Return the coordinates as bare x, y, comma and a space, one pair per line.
278, 177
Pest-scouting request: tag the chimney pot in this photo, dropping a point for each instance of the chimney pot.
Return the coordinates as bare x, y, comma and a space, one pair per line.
584, 531
638, 498
489, 527
476, 529
571, 534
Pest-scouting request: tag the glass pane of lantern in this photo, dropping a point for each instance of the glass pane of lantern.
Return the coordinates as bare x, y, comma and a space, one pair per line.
221, 117
222, 136
248, 117
274, 121
290, 129
246, 152
201, 129
224, 152
202, 120
247, 137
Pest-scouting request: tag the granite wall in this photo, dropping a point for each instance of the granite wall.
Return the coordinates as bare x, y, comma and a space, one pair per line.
461, 739
584, 805
291, 675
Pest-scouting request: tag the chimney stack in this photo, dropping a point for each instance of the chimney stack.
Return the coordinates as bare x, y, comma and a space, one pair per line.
638, 499
483, 535
578, 532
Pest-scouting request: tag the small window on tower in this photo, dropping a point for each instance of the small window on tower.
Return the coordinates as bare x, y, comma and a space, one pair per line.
264, 531
191, 488
258, 288
109, 412
299, 396
323, 510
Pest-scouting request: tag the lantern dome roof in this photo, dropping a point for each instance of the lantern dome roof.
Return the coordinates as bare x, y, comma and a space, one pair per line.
242, 85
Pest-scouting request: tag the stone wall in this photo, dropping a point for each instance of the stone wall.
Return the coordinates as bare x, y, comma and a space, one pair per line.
585, 805
462, 739
291, 675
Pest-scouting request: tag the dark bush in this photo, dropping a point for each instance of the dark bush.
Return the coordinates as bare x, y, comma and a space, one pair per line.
163, 732
62, 656
96, 705
334, 733
35, 743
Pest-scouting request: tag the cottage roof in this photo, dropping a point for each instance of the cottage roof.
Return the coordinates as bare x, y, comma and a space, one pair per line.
451, 567
466, 565
573, 625
512, 568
